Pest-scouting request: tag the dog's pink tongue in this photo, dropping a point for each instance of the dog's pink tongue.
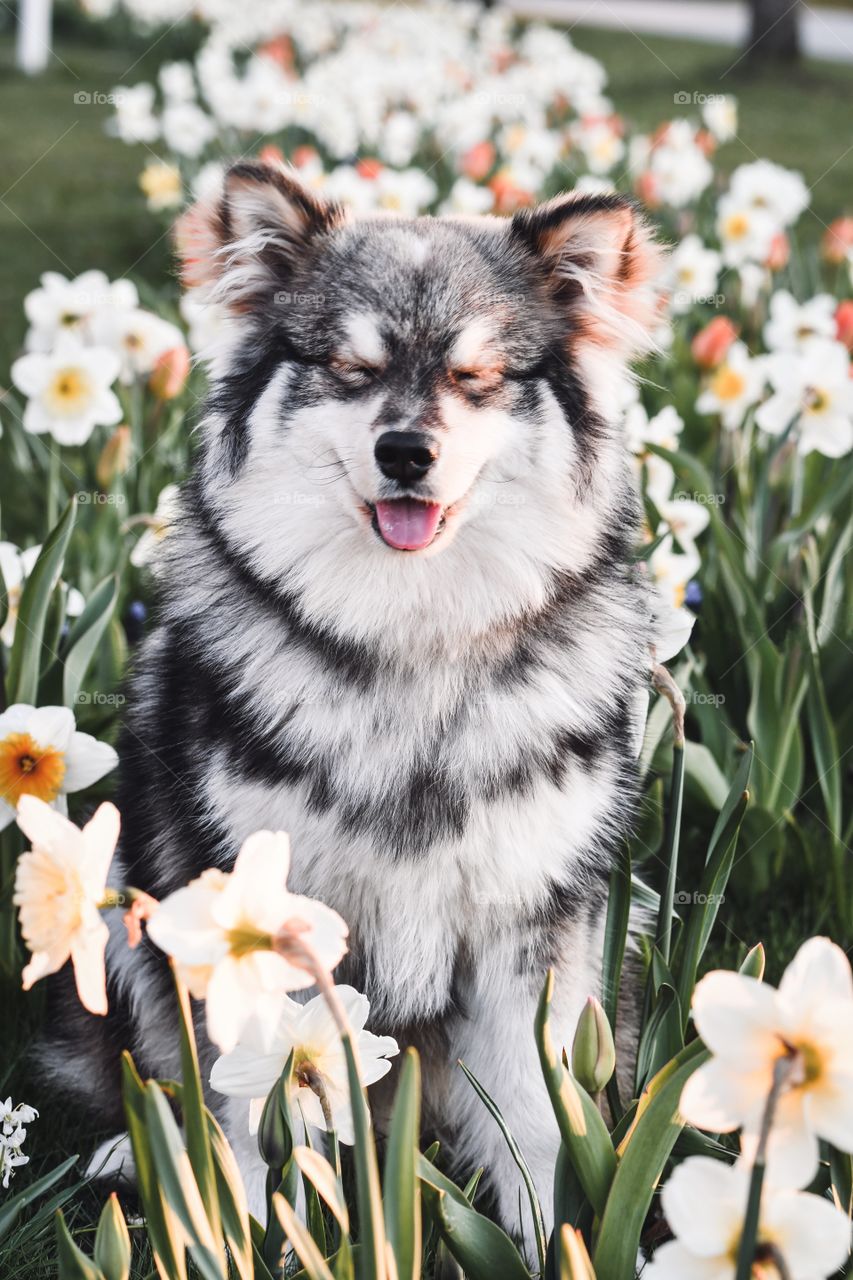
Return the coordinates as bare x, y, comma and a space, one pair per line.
407, 524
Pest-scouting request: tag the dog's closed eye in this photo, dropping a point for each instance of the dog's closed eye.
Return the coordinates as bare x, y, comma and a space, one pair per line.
353, 373
476, 381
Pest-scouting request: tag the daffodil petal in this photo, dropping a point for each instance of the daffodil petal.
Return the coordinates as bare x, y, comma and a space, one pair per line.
738, 1018
716, 1187
87, 955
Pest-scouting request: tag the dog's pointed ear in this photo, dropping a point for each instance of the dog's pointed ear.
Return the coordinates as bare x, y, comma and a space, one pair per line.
244, 240
600, 262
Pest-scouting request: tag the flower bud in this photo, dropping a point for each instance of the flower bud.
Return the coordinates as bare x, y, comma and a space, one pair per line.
169, 375
710, 344
837, 241
275, 1137
753, 965
844, 323
115, 457
593, 1050
478, 160
779, 252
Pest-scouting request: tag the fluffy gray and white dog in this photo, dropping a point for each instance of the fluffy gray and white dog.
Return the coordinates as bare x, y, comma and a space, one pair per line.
399, 621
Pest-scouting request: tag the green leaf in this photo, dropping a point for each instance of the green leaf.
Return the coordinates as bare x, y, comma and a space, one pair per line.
175, 1175
195, 1112
715, 877
306, 1250
642, 1156
368, 1190
401, 1195
85, 637
73, 1265
112, 1242
535, 1208
581, 1127
232, 1201
164, 1231
662, 1036
15, 1205
479, 1245
25, 659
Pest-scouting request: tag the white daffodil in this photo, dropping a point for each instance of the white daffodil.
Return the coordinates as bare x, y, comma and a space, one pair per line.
792, 323
68, 390
705, 1202
43, 755
686, 518
221, 928
168, 506
61, 306
279, 1027
134, 119
734, 387
670, 573
693, 270
746, 231
780, 193
679, 169
15, 567
59, 886
719, 115
186, 128
137, 338
749, 1027
813, 387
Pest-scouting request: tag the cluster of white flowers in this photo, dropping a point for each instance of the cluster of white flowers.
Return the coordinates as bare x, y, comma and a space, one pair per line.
13, 1133
239, 941
801, 385
85, 335
753, 1030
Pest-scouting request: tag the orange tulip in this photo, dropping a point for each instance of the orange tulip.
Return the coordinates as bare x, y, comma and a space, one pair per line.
837, 241
710, 344
169, 375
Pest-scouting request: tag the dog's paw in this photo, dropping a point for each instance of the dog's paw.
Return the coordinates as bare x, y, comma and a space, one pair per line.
113, 1161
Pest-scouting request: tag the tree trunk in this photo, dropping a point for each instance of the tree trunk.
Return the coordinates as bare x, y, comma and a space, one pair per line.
774, 31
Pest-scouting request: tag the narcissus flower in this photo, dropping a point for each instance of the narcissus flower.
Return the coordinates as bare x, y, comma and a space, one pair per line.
813, 387
749, 1027
792, 323
158, 526
59, 886
43, 755
694, 270
221, 930
279, 1027
705, 1202
734, 387
16, 566
68, 390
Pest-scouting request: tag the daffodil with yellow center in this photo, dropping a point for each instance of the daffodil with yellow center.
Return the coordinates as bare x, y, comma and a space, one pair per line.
749, 1026
278, 1027
705, 1203
221, 931
727, 383
60, 885
161, 185
68, 389
43, 755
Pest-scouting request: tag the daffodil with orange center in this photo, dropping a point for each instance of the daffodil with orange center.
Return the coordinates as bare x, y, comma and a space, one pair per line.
43, 755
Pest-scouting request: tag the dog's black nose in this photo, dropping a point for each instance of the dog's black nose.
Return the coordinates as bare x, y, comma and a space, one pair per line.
405, 456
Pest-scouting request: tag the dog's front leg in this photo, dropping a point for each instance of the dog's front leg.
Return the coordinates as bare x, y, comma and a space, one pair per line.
494, 1036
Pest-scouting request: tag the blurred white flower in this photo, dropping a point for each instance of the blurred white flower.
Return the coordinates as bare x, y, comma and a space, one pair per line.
15, 567
694, 270
69, 390
59, 886
749, 1027
135, 120
221, 928
679, 168
177, 81
168, 507
746, 231
780, 193
669, 572
704, 1202
719, 115
600, 144
60, 306
137, 338
813, 387
686, 518
792, 323
278, 1027
43, 755
733, 387
468, 197
186, 128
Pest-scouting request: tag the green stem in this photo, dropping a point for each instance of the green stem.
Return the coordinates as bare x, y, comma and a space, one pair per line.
749, 1236
55, 499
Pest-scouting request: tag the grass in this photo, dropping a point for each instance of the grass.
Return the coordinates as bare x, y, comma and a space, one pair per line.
70, 202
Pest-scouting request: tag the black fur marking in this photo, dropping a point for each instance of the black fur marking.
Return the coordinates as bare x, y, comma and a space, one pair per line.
353, 661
